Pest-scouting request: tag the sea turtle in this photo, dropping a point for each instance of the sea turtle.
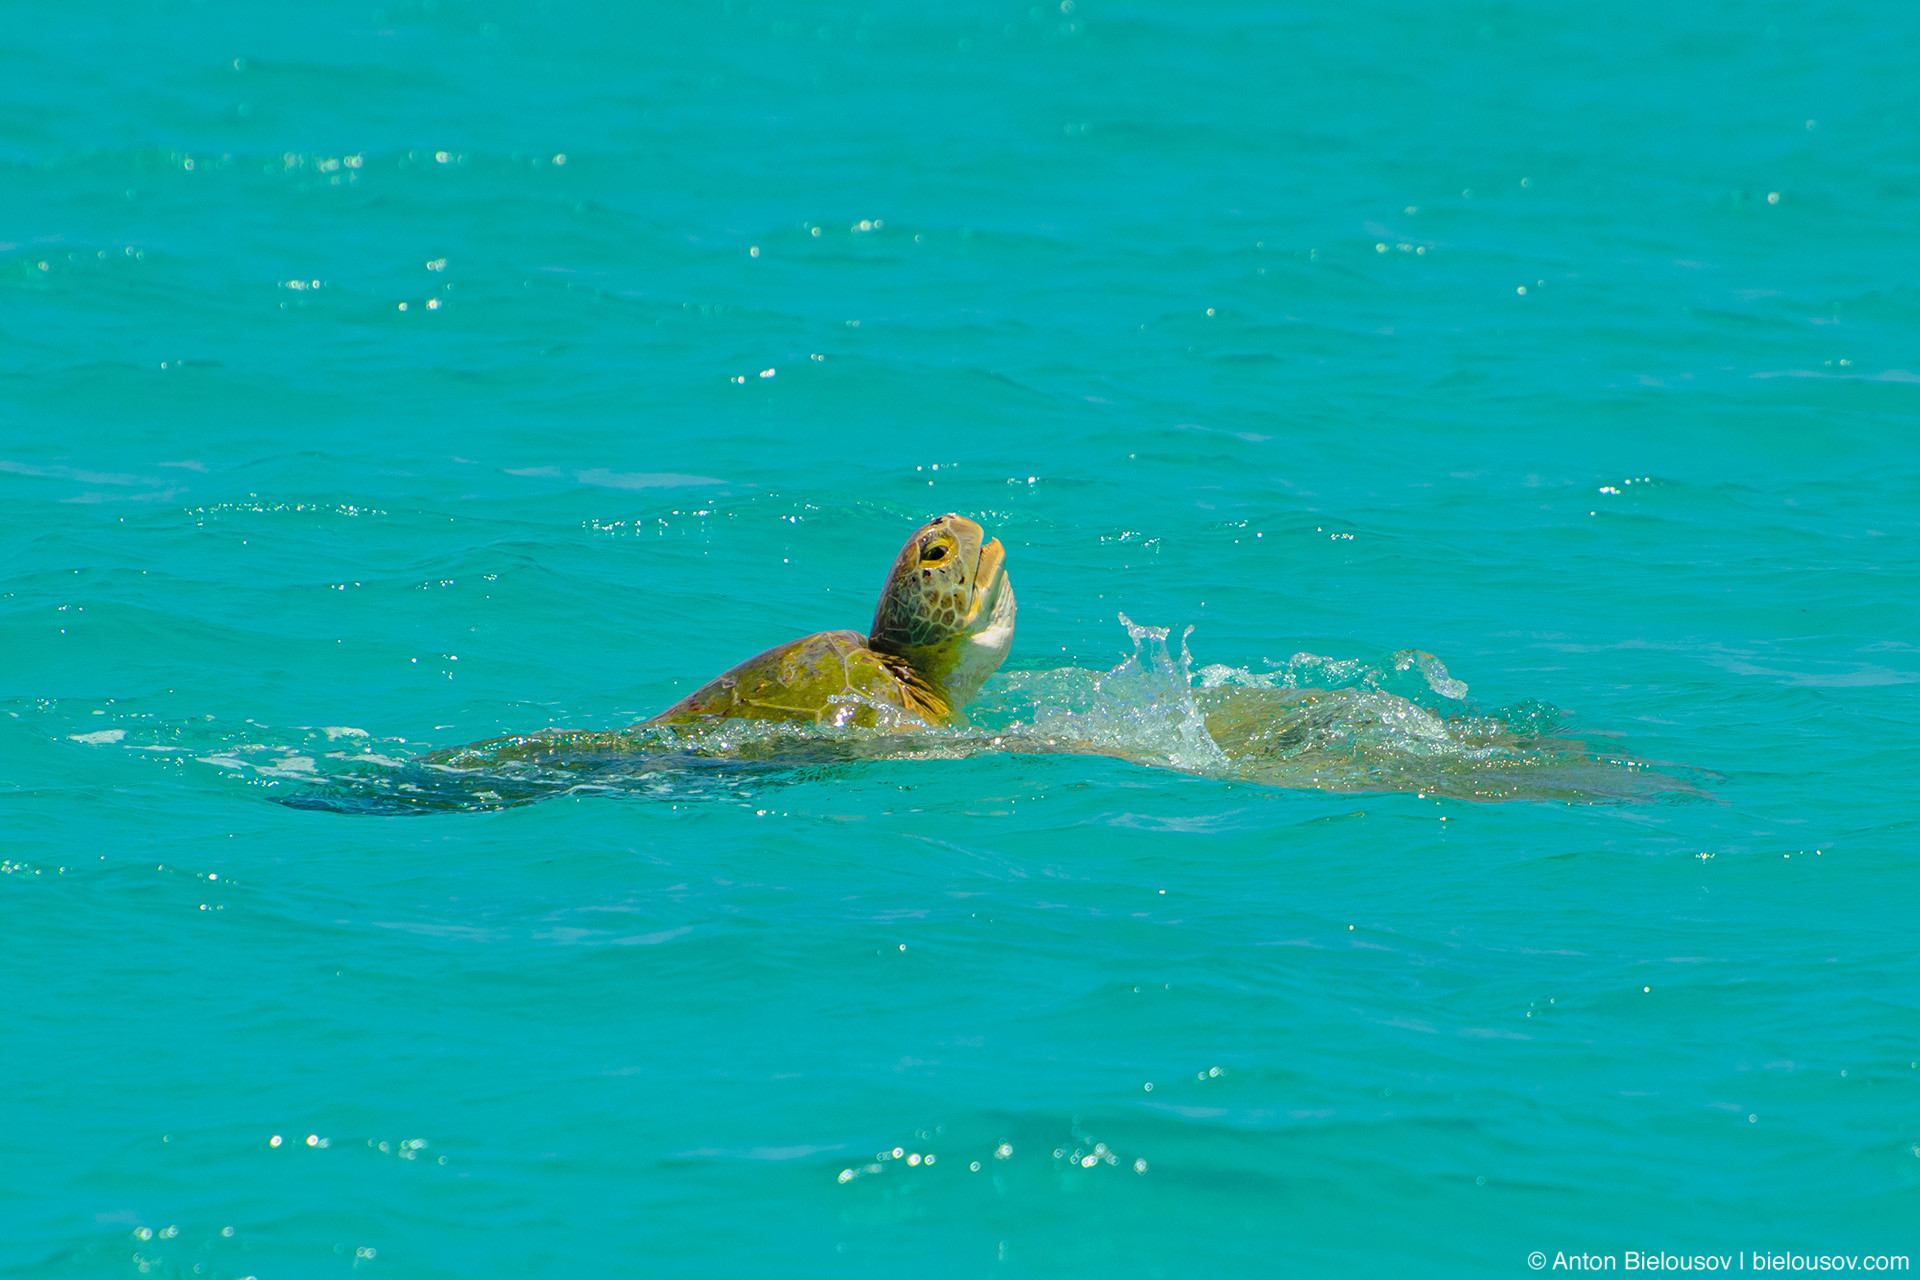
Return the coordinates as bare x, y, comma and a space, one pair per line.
943, 625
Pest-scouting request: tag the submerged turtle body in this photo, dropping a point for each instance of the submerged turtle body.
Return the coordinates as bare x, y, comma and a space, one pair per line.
943, 625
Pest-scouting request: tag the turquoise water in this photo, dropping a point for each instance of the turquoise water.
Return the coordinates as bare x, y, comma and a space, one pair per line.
1576, 347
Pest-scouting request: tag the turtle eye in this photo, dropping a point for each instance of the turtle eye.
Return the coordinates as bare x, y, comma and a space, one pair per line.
934, 553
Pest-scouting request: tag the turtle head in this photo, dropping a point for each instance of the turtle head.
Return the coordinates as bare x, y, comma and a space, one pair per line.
947, 608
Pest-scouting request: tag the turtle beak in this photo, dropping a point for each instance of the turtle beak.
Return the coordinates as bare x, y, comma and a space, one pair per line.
988, 575
987, 568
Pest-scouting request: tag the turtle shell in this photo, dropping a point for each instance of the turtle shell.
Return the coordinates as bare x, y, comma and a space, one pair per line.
829, 678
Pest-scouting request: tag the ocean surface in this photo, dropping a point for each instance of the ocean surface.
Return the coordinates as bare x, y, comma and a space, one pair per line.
380, 378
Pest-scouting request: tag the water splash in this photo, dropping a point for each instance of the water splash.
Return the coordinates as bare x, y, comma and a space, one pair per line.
1142, 709
1401, 723
1311, 671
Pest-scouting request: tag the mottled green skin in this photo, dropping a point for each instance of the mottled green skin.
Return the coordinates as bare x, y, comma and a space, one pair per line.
830, 678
